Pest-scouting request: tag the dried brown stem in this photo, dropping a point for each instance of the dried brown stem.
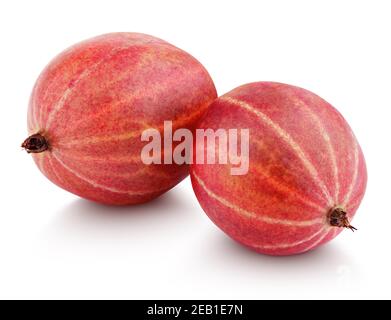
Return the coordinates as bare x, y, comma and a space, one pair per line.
36, 143
338, 218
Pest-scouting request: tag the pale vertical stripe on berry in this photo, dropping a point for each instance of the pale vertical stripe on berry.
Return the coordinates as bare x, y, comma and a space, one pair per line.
289, 245
253, 215
317, 242
99, 186
330, 148
286, 137
61, 102
355, 173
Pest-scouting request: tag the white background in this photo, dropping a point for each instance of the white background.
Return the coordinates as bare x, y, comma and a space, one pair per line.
55, 245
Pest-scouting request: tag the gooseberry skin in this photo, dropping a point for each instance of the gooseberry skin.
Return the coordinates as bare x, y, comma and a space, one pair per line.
91, 104
307, 173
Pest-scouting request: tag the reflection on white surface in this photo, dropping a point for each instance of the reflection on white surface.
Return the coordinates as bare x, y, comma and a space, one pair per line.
170, 242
